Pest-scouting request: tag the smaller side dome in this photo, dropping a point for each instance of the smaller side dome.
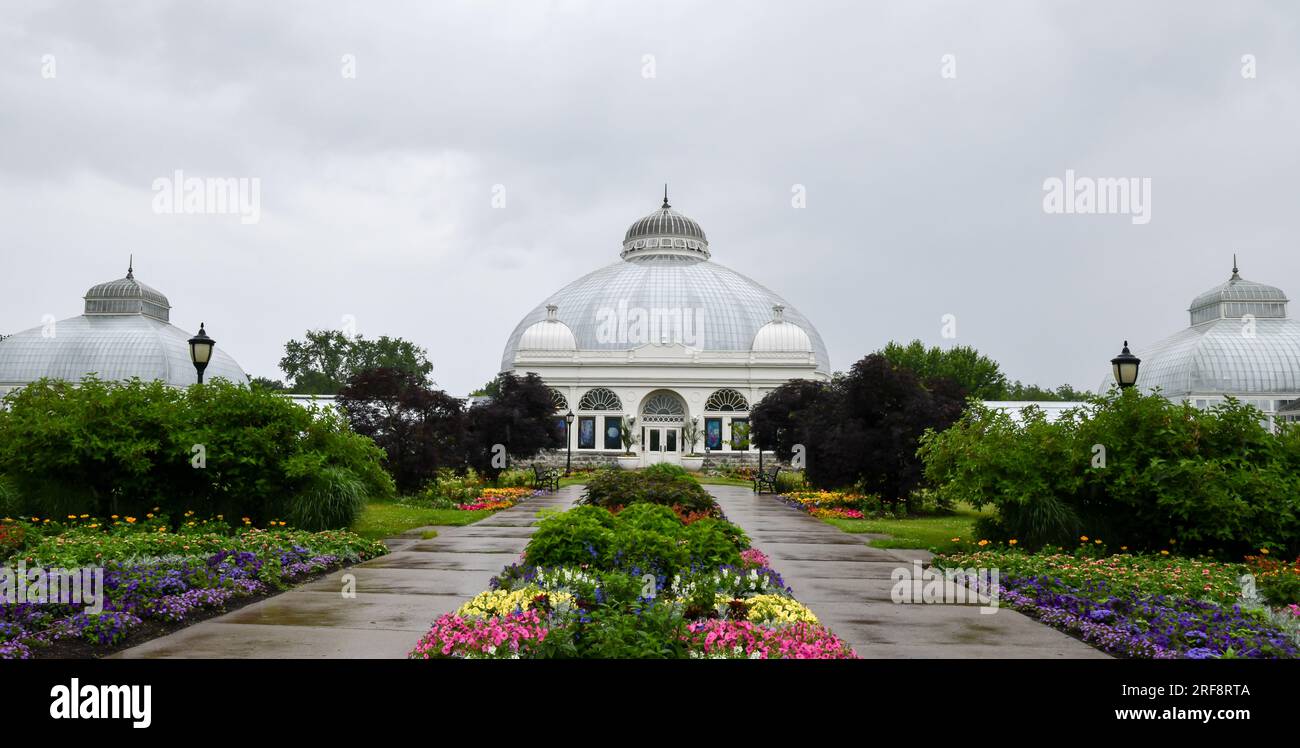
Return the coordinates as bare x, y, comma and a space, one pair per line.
781, 336
548, 335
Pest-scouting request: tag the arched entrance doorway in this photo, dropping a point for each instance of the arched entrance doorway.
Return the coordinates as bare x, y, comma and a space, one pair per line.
663, 413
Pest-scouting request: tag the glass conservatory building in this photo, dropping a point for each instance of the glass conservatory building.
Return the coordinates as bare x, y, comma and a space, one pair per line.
663, 340
123, 332
1239, 343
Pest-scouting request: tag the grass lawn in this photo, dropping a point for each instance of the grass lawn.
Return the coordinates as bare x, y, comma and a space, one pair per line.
718, 480
384, 519
931, 533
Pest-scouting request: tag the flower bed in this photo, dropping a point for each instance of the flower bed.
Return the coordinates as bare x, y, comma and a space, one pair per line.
639, 583
1143, 606
495, 499
155, 579
810, 500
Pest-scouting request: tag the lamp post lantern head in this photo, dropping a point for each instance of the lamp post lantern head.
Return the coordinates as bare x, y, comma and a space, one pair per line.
1125, 368
201, 351
568, 418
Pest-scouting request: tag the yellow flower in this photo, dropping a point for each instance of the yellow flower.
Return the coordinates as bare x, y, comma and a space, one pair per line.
149, 516
114, 516
1011, 541
983, 543
1164, 553
1123, 548
130, 520
1097, 541
84, 516
1084, 538
1264, 551
777, 609
955, 539
72, 516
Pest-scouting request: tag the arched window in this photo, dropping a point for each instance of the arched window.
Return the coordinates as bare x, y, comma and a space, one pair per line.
600, 398
726, 401
561, 402
663, 407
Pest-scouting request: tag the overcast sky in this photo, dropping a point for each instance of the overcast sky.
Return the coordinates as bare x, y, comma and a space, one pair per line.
925, 191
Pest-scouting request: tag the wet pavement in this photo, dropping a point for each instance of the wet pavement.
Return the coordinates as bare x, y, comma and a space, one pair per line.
398, 596
847, 584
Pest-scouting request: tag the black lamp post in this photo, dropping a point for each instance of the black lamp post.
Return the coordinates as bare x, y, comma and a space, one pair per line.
201, 351
568, 439
1125, 368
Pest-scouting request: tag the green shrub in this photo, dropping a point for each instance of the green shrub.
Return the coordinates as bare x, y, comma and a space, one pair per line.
1211, 481
654, 517
581, 535
643, 538
9, 502
104, 448
714, 543
515, 478
790, 480
664, 470
611, 488
646, 551
655, 631
333, 499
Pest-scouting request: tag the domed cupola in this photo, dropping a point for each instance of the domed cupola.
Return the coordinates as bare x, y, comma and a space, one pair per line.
1236, 298
548, 335
780, 336
127, 296
665, 232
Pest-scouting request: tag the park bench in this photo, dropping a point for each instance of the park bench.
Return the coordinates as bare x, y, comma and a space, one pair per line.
545, 479
766, 478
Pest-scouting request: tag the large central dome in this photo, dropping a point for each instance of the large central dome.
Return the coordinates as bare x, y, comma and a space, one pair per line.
665, 274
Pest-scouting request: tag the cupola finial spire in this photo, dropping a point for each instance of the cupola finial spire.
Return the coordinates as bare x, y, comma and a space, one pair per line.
130, 266
1234, 267
666, 205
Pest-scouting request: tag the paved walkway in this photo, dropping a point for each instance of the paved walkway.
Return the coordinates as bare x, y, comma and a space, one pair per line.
398, 596
847, 585
844, 581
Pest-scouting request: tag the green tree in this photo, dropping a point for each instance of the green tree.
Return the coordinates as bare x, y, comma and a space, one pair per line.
325, 360
1064, 393
979, 376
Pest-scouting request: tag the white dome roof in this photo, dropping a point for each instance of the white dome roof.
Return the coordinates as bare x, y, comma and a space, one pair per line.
113, 347
1222, 352
123, 334
548, 335
679, 294
781, 336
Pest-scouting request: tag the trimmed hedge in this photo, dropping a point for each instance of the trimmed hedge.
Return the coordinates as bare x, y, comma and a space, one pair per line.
105, 448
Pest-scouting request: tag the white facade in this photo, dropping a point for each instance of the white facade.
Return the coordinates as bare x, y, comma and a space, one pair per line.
661, 339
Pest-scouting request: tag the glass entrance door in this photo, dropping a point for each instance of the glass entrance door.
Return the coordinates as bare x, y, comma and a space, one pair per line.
661, 444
